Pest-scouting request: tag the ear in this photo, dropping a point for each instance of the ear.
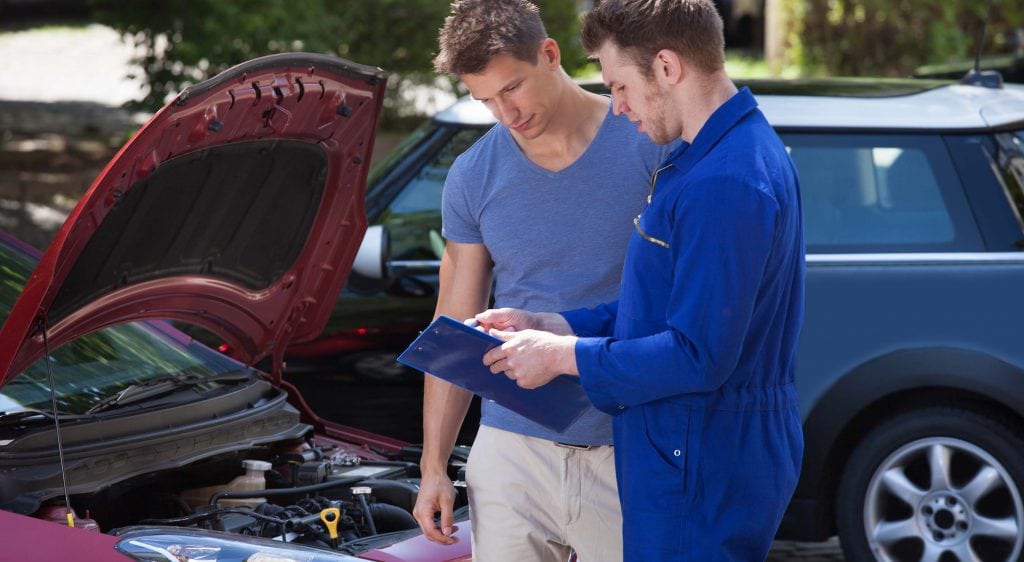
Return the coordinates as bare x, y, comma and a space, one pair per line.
669, 67
549, 54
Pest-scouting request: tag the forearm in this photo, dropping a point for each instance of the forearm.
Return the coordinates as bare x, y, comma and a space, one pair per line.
636, 371
444, 410
465, 288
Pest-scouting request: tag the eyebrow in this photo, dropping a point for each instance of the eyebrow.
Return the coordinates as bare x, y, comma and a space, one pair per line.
509, 85
515, 82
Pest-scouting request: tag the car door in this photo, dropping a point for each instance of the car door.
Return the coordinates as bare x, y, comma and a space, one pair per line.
909, 345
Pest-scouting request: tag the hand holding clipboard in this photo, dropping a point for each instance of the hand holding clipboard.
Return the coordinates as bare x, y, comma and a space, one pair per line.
453, 351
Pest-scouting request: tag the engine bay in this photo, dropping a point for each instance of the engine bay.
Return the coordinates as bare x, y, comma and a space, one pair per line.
316, 492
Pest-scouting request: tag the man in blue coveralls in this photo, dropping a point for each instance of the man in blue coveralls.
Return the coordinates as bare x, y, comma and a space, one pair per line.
695, 361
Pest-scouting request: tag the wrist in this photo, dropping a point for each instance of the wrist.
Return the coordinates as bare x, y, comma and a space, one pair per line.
555, 323
432, 469
569, 366
432, 462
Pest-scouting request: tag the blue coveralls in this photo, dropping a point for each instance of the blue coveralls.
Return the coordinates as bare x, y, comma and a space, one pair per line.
698, 373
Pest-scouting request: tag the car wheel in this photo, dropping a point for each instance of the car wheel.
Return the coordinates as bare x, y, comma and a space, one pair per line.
938, 484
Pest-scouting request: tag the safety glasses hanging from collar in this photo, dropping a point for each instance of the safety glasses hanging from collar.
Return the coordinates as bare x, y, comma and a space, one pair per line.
636, 221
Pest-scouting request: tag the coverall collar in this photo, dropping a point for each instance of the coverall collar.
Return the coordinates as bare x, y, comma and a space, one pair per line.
721, 121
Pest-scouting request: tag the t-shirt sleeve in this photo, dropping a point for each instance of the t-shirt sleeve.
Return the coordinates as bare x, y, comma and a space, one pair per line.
459, 220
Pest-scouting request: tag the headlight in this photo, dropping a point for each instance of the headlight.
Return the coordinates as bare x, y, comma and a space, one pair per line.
192, 545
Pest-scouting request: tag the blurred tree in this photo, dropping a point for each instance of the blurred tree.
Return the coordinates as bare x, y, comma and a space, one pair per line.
186, 41
893, 37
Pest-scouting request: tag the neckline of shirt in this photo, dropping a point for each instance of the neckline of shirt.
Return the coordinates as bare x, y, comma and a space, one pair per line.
602, 130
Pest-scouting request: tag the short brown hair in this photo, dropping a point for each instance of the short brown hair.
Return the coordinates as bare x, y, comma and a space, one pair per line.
641, 28
479, 30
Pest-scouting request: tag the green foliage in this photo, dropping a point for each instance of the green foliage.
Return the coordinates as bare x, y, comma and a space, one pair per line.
562, 20
186, 41
893, 37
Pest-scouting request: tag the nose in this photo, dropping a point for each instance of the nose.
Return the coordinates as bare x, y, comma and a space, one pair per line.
505, 112
619, 105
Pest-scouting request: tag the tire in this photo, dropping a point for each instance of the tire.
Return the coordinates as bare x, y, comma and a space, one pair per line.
891, 508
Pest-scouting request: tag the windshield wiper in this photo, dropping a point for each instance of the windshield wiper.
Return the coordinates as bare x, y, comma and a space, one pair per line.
36, 416
163, 385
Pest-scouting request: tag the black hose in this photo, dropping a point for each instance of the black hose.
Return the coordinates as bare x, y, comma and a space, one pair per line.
392, 518
367, 513
207, 515
276, 492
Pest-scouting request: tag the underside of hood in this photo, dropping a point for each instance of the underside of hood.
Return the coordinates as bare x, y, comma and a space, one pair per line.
238, 207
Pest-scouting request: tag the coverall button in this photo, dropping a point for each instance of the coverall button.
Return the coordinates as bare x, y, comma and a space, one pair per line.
677, 452
621, 407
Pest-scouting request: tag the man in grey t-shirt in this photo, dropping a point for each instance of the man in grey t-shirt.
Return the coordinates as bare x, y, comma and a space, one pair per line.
543, 205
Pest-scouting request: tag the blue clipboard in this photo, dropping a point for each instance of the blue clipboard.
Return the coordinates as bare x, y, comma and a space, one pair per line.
453, 351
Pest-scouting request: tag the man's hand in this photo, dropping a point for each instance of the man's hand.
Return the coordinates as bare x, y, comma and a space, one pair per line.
516, 320
532, 358
436, 495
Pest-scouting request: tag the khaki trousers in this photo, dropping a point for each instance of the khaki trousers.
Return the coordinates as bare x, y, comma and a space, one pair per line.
531, 499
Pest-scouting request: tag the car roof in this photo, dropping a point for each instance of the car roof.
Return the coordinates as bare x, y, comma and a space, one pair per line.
876, 104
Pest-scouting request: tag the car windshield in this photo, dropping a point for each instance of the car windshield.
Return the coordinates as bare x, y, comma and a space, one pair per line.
90, 368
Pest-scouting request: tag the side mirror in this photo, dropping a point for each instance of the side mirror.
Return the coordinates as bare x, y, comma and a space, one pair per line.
374, 253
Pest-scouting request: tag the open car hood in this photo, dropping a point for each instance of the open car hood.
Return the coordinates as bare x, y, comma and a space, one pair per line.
238, 207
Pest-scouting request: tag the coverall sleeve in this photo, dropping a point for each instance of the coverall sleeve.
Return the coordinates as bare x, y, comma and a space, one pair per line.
592, 322
722, 233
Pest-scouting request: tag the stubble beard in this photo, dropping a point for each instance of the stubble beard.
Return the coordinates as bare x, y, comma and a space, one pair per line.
656, 122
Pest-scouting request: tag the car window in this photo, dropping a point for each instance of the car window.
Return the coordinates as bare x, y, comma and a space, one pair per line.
92, 367
1010, 160
413, 217
891, 193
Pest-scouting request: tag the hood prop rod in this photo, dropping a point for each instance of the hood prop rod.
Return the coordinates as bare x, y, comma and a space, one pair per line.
56, 423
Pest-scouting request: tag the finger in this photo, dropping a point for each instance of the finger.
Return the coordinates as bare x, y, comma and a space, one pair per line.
425, 518
493, 356
499, 367
447, 520
497, 317
474, 323
485, 318
503, 335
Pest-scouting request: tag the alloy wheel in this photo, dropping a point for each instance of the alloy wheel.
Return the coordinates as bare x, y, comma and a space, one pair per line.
940, 499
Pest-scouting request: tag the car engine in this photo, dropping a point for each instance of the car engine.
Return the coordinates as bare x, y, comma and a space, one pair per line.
325, 494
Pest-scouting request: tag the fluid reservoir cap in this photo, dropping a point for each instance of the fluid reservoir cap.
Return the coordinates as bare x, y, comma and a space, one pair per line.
253, 464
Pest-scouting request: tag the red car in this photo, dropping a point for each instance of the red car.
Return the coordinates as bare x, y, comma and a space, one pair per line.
238, 208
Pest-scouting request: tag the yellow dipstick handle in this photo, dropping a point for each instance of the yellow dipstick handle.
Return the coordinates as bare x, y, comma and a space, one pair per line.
330, 517
71, 520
